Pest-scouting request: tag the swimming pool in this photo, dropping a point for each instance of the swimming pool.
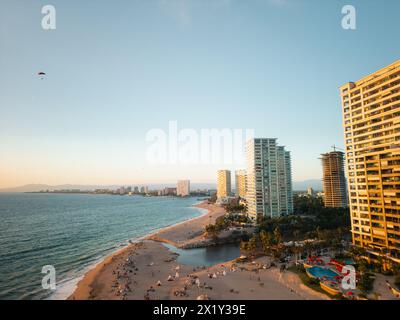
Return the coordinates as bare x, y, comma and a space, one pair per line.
318, 272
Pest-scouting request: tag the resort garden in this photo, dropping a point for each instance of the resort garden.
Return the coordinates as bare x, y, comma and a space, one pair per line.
314, 243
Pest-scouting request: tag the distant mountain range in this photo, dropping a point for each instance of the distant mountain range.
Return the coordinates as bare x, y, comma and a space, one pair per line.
40, 187
316, 184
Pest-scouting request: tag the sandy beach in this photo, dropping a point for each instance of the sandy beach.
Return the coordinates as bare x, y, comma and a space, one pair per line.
148, 270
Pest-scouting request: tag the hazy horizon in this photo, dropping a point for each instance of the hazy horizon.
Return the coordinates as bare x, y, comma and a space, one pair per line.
316, 184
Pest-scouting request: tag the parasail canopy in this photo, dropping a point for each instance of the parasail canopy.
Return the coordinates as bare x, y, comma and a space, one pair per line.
41, 75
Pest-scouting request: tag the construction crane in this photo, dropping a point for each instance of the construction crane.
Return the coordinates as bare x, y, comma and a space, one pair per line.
335, 147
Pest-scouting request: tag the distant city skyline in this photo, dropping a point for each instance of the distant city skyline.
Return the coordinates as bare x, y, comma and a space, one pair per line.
272, 66
297, 186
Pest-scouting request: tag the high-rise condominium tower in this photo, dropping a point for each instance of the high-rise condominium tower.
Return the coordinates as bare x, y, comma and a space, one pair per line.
183, 188
269, 179
371, 121
223, 183
240, 181
334, 181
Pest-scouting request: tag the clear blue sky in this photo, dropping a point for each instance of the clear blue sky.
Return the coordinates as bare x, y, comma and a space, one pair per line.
116, 69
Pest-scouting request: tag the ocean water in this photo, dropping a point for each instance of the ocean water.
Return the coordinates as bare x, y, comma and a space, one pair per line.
208, 256
73, 232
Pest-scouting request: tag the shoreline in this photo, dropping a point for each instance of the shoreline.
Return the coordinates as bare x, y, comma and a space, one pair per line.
123, 246
147, 270
82, 287
166, 234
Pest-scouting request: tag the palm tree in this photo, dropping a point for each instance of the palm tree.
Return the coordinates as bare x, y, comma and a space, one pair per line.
319, 233
266, 241
307, 248
253, 243
277, 236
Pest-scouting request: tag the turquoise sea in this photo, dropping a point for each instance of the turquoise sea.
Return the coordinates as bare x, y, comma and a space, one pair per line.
73, 232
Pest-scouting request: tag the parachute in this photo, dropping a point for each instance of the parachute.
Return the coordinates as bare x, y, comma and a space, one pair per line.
41, 75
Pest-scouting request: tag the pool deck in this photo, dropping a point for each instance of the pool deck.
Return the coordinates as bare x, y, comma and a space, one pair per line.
329, 289
325, 284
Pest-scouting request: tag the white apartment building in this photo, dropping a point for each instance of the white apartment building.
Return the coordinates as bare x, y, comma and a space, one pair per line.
183, 188
269, 179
